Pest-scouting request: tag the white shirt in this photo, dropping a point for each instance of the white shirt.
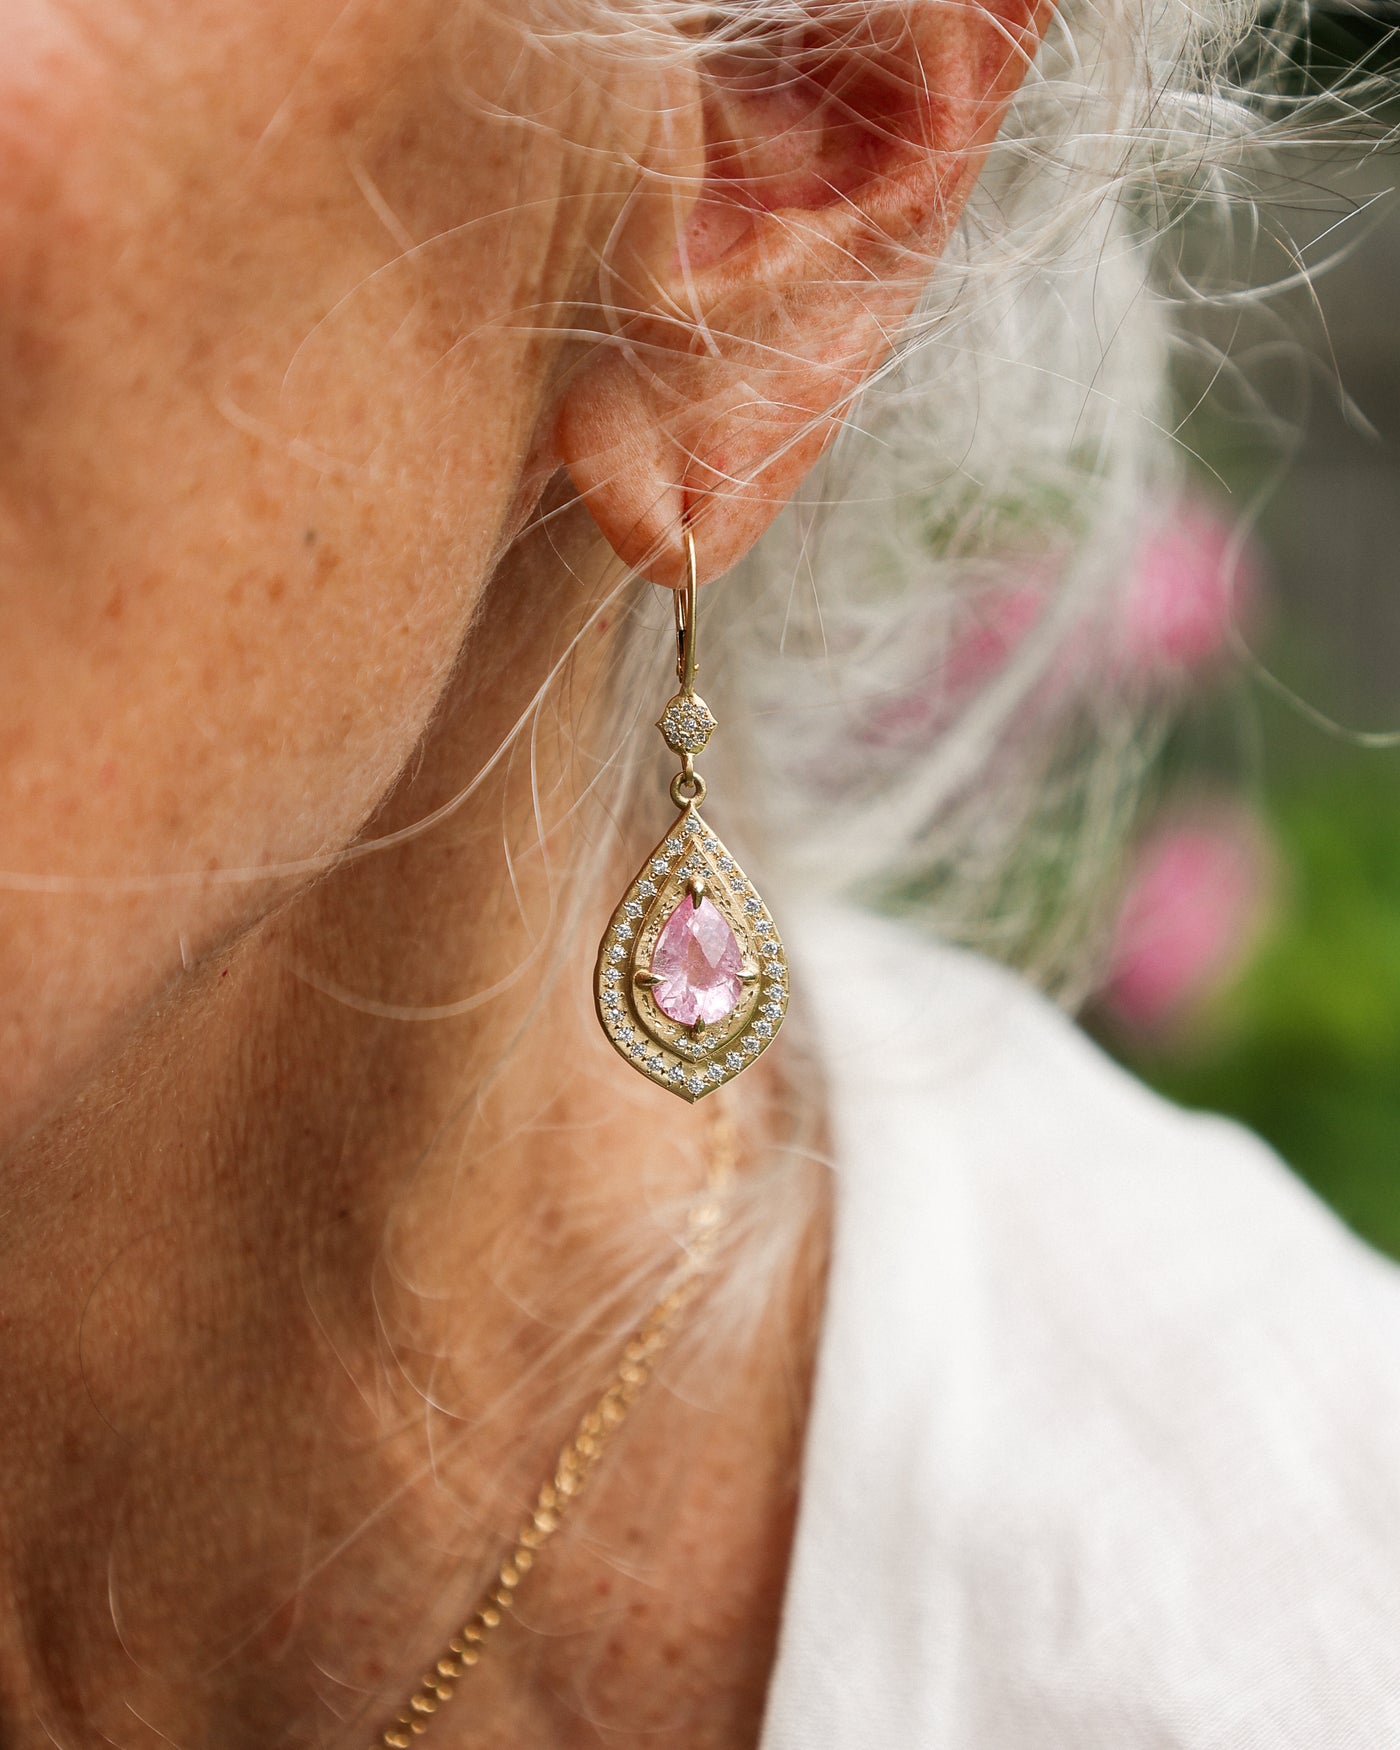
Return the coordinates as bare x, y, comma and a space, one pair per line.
1105, 1442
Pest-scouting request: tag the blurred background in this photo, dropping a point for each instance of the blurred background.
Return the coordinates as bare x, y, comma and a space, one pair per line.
1255, 966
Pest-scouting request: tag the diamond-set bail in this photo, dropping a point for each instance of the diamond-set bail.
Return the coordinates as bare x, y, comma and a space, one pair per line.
686, 724
691, 982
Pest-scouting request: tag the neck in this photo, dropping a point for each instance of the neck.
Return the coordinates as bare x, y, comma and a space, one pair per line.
302, 1296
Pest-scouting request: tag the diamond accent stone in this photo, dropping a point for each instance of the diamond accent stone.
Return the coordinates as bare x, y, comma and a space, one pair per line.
753, 906
696, 1084
646, 888
617, 952
733, 1060
632, 909
715, 1073
763, 1028
726, 863
659, 865
687, 723
697, 965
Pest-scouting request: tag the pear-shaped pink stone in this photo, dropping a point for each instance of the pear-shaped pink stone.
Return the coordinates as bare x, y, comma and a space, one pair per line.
696, 965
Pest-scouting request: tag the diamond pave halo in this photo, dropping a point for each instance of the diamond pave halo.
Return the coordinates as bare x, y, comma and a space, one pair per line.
695, 989
691, 982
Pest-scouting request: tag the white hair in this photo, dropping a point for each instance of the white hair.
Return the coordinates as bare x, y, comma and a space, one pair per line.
1022, 432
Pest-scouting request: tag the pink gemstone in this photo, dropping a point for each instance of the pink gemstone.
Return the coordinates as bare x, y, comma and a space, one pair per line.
696, 965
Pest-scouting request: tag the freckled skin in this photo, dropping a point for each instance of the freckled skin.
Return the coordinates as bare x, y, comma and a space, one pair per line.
197, 296
299, 1298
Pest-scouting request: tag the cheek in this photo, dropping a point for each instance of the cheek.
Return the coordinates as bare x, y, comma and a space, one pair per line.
49, 76
236, 555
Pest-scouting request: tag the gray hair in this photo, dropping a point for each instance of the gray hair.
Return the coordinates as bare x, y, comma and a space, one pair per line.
1022, 430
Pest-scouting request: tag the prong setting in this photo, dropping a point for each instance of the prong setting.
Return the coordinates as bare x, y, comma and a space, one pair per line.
690, 1059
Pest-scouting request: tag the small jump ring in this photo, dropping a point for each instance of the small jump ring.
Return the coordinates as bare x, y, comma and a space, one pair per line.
687, 787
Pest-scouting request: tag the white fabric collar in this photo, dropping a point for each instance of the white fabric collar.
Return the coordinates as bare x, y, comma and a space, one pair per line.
1104, 1448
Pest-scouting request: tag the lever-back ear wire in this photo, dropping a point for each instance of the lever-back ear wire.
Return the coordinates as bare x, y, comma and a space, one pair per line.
686, 598
691, 980
687, 785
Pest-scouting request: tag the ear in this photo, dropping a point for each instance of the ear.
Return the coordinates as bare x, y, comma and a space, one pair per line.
814, 172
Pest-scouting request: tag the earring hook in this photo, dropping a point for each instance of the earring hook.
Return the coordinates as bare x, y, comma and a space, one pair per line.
685, 615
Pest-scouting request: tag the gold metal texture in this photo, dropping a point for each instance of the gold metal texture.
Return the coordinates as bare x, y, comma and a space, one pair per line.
692, 1061
691, 860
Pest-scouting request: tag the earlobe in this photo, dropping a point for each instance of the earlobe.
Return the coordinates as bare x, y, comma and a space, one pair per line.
836, 162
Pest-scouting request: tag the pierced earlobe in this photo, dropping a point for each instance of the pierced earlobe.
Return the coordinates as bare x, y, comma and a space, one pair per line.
837, 160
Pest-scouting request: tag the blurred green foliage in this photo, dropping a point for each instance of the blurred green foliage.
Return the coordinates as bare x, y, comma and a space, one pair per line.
1304, 1047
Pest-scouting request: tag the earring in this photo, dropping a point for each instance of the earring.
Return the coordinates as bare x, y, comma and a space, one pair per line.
691, 983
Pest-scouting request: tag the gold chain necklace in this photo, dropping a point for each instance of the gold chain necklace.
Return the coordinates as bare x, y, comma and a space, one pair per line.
581, 1453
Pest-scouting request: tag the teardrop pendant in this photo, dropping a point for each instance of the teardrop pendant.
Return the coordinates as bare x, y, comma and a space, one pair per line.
691, 982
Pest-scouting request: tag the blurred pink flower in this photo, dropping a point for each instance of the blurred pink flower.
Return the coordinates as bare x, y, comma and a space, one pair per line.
1198, 897
1189, 582
988, 644
995, 626
980, 649
1189, 586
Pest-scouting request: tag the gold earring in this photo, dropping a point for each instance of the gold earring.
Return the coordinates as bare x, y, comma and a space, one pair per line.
692, 982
